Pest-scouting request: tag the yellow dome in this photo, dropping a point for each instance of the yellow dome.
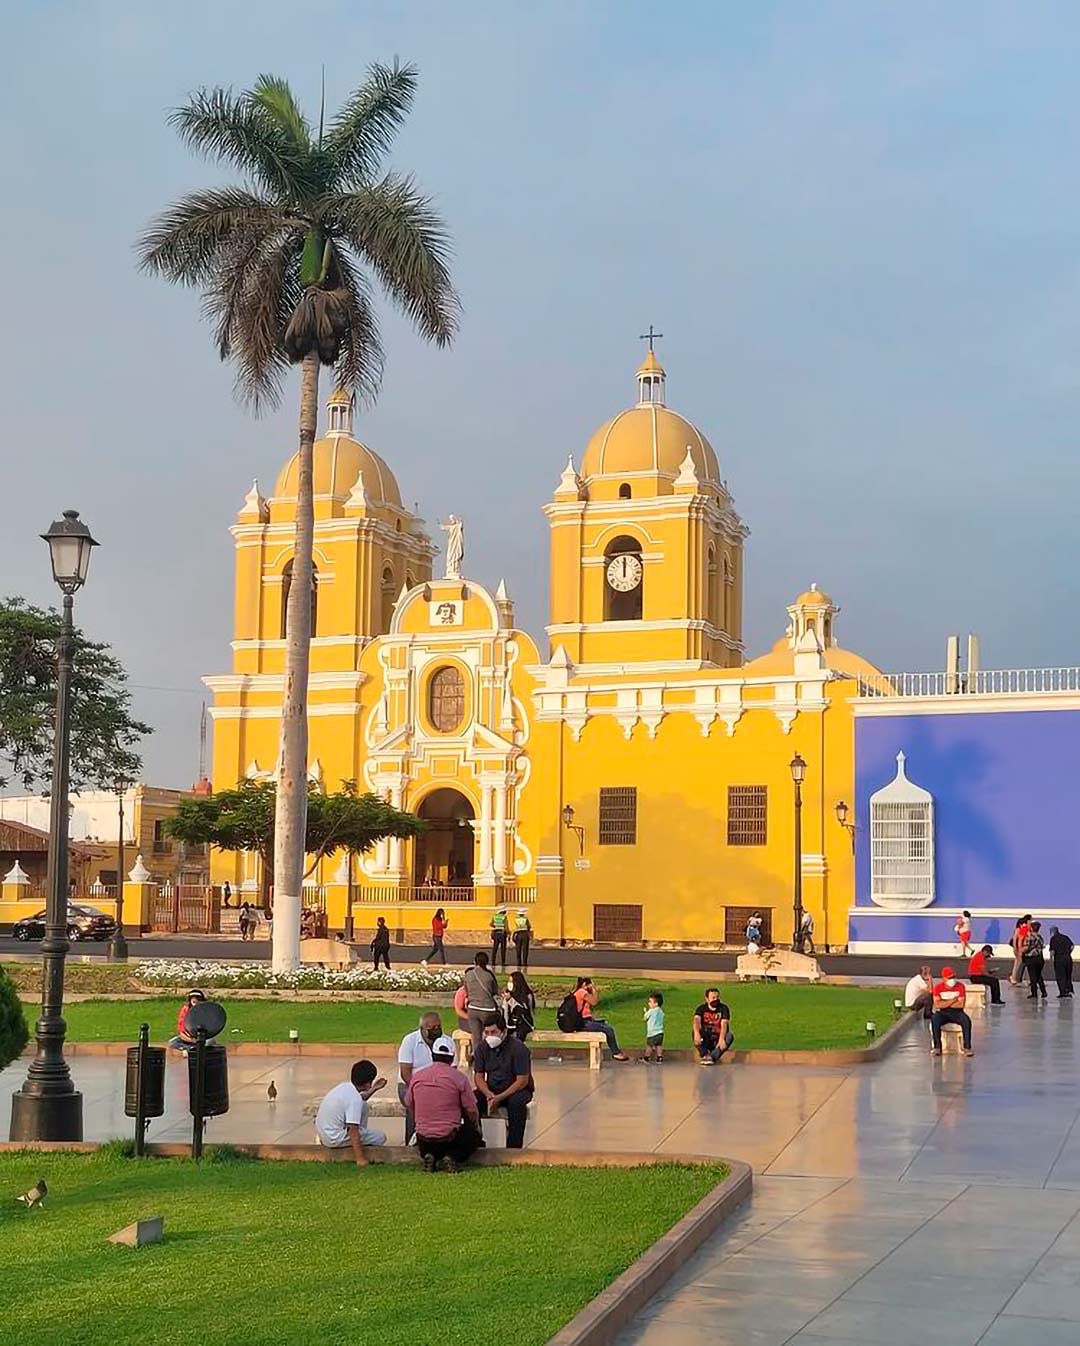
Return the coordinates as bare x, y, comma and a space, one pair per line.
649, 438
338, 460
650, 365
813, 598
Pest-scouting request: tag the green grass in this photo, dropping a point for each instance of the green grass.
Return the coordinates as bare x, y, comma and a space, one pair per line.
765, 1015
320, 1254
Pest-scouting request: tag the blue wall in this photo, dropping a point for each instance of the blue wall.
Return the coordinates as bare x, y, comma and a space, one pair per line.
1006, 789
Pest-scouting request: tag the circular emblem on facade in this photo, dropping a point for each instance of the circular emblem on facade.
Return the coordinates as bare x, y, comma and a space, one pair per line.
624, 572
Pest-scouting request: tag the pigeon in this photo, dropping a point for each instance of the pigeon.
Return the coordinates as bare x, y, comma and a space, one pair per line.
271, 1092
35, 1196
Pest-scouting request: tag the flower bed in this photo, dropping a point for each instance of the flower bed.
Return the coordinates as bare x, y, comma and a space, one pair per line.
252, 976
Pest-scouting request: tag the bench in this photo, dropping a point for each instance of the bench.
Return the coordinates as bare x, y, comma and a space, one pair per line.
389, 1106
782, 963
595, 1042
328, 953
952, 1039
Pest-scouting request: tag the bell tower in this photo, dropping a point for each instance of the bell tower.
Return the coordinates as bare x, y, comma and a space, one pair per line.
646, 546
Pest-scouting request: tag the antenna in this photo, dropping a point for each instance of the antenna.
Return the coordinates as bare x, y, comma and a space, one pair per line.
322, 105
202, 742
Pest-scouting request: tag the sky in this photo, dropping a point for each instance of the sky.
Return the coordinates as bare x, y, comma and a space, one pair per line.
857, 226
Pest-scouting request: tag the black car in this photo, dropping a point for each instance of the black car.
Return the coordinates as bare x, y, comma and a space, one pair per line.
82, 923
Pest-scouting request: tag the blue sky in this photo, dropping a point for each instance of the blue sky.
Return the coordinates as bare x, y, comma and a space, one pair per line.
858, 226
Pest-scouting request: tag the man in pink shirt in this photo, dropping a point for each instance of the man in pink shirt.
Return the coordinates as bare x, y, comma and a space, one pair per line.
443, 1104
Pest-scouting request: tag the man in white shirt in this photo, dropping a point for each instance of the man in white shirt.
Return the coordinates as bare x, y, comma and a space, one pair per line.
343, 1113
919, 992
414, 1055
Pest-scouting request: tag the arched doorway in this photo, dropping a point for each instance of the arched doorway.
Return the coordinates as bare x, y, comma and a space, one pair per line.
443, 852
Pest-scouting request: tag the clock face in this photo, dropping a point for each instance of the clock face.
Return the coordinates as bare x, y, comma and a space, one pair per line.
624, 572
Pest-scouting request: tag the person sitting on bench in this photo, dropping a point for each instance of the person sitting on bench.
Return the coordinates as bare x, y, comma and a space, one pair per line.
949, 998
443, 1105
979, 973
712, 1028
502, 1074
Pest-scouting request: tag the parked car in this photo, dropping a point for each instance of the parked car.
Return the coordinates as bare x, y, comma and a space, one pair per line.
82, 923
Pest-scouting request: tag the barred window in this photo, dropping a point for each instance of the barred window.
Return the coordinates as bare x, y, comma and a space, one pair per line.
618, 815
446, 699
746, 815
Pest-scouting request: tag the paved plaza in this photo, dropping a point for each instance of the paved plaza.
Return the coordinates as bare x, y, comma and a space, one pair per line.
914, 1201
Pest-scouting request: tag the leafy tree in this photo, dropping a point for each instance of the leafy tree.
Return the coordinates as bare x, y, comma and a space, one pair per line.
14, 1034
103, 733
244, 820
285, 265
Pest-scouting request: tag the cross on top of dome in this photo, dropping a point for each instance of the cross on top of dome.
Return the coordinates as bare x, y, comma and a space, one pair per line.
650, 375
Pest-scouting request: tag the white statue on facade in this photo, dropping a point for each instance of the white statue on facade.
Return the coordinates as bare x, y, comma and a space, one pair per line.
455, 546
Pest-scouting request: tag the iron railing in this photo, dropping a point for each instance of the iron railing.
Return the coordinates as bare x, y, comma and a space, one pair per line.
981, 682
441, 895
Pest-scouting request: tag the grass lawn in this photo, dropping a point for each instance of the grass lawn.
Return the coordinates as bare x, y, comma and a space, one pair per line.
764, 1015
319, 1253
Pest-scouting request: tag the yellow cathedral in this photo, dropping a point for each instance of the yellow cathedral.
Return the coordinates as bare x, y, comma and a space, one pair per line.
628, 781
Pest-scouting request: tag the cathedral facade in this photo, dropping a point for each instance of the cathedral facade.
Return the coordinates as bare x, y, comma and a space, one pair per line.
628, 778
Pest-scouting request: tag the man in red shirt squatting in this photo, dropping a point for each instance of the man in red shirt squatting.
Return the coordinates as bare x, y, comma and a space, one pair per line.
979, 973
444, 1106
949, 998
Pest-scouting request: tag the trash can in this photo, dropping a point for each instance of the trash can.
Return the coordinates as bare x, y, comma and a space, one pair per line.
215, 1091
153, 1082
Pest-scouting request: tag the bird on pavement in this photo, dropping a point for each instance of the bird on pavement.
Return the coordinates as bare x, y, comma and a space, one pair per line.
35, 1196
271, 1092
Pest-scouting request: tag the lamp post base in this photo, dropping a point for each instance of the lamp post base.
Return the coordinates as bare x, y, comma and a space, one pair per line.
46, 1116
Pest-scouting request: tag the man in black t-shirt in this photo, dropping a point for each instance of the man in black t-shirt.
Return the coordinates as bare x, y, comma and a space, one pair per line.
712, 1028
502, 1073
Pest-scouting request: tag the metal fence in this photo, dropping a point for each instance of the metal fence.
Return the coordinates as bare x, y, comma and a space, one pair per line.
981, 682
441, 895
187, 908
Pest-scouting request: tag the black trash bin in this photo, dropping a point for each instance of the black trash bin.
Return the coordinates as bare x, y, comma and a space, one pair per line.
215, 1090
153, 1082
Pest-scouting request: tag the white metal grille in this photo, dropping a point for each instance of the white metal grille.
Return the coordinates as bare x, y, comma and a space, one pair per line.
902, 854
981, 682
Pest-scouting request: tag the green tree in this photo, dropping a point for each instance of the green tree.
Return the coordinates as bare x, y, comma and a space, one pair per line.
14, 1034
285, 263
244, 820
103, 732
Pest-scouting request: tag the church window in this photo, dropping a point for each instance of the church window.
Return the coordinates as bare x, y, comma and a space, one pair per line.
623, 580
286, 588
711, 608
388, 598
625, 491
618, 815
747, 815
902, 843
446, 699
409, 581
726, 604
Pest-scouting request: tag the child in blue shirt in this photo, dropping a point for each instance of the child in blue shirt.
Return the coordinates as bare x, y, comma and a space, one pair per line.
654, 1029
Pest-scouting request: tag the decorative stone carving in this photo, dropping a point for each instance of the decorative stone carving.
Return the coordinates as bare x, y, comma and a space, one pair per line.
17, 875
140, 874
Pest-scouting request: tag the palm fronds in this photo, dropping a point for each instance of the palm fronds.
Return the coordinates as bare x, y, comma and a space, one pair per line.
364, 129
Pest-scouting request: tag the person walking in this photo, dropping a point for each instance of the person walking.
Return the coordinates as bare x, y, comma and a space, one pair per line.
963, 933
950, 997
522, 938
438, 932
1016, 943
586, 999
1061, 951
380, 945
481, 997
519, 1006
806, 932
654, 1029
443, 1103
1034, 958
979, 973
226, 893
753, 933
246, 921
498, 938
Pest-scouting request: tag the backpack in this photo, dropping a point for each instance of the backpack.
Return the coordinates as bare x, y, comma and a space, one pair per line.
568, 1016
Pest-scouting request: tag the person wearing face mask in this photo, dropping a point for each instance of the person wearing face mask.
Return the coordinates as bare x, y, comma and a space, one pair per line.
949, 998
414, 1055
502, 1074
712, 1028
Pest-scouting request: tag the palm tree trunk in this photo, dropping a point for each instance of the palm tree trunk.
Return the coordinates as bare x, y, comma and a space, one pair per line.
290, 813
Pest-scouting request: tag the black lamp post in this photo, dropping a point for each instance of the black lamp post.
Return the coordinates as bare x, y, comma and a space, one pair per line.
842, 818
570, 825
798, 775
48, 1106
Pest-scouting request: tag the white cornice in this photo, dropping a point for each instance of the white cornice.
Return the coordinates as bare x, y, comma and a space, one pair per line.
274, 682
318, 710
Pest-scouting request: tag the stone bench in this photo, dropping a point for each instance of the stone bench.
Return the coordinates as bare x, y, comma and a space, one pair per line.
328, 953
383, 1106
952, 1039
595, 1042
783, 964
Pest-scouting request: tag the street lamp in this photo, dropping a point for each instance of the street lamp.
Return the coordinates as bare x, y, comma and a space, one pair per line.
798, 775
842, 818
568, 822
48, 1106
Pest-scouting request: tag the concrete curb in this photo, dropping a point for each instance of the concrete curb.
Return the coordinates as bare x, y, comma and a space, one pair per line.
836, 1056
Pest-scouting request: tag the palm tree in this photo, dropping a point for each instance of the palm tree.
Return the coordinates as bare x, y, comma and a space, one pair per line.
285, 263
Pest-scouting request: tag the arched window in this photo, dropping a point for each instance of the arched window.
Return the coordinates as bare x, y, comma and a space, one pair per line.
624, 580
286, 589
446, 699
410, 583
388, 598
727, 606
624, 491
711, 607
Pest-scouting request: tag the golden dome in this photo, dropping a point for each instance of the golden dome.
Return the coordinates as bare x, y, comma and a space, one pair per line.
649, 438
339, 396
338, 461
813, 598
650, 365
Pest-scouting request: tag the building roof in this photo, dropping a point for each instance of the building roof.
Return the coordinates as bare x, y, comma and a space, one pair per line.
25, 839
649, 438
337, 461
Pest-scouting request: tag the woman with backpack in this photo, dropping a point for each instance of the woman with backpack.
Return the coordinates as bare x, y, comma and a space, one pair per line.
519, 1006
575, 1015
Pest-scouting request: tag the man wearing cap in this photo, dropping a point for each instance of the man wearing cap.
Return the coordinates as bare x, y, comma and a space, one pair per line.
443, 1105
979, 973
949, 998
185, 1039
522, 936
